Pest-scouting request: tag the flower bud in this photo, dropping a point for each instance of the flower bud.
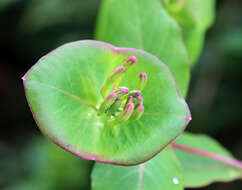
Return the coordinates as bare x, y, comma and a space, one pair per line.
130, 98
109, 100
138, 112
116, 105
142, 81
116, 73
122, 91
135, 93
126, 113
113, 80
129, 61
139, 99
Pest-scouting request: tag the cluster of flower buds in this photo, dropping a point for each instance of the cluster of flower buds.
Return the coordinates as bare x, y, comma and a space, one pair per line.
120, 104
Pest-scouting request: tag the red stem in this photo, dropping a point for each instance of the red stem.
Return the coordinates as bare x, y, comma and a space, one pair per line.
229, 161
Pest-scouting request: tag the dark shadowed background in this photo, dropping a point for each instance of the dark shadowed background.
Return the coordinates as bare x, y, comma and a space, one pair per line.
31, 28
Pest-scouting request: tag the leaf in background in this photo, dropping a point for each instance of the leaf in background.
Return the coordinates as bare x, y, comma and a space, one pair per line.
195, 17
56, 167
10, 164
48, 168
145, 25
200, 170
162, 172
63, 90
43, 14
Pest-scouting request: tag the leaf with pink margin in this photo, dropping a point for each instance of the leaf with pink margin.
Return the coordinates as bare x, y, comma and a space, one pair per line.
63, 90
205, 161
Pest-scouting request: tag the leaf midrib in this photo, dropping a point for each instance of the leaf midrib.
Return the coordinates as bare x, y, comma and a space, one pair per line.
141, 176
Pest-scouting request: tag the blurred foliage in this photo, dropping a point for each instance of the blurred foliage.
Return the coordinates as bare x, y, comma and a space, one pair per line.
194, 17
6, 3
215, 93
46, 166
231, 42
52, 23
10, 164
30, 29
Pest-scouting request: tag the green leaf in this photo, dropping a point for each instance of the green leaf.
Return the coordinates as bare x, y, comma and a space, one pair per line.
162, 172
63, 90
200, 170
145, 25
195, 17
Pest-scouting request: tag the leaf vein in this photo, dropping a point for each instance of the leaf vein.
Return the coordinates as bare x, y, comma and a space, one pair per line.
141, 176
66, 93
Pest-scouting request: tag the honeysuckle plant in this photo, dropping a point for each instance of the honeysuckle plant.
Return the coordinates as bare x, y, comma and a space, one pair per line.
120, 100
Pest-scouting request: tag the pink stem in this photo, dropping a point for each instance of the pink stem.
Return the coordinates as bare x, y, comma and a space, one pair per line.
229, 161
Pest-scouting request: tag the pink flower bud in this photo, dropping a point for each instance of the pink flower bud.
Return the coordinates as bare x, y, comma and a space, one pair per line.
129, 61
113, 80
139, 99
126, 113
138, 112
122, 90
128, 110
135, 93
116, 72
142, 82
